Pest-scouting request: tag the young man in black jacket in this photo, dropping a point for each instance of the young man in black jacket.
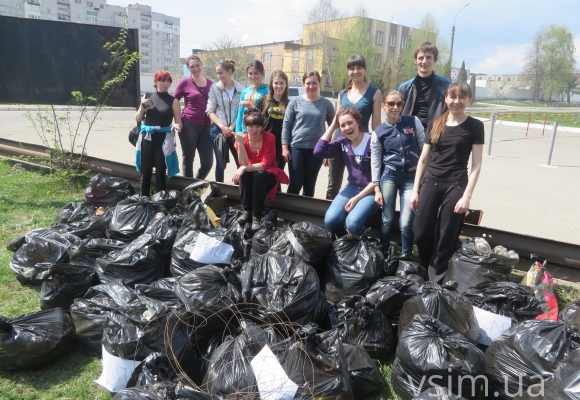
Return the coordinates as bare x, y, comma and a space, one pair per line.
423, 95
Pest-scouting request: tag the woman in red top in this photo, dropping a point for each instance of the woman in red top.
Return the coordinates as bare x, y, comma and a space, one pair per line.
258, 175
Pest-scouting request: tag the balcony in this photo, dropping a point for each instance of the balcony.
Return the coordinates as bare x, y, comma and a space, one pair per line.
63, 2
34, 2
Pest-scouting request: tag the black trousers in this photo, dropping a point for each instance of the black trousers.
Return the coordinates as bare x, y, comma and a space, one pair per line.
254, 186
152, 156
437, 226
336, 168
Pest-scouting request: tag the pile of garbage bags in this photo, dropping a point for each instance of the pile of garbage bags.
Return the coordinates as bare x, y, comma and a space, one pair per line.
194, 305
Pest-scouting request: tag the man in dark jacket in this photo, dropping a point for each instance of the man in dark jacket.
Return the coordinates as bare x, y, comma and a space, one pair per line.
423, 95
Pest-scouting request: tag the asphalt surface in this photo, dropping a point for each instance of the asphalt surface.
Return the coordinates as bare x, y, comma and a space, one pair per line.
516, 190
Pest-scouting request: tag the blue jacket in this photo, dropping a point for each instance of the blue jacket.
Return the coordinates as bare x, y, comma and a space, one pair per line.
169, 151
396, 147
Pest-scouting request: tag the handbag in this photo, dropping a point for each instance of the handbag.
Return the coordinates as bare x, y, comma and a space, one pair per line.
134, 132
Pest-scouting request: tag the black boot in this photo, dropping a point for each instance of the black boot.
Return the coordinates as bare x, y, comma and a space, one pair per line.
256, 221
245, 218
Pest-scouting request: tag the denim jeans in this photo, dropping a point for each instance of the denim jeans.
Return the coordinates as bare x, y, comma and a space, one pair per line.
303, 168
336, 215
214, 131
391, 182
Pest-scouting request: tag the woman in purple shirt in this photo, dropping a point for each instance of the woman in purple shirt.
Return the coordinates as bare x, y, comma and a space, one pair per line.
356, 202
195, 135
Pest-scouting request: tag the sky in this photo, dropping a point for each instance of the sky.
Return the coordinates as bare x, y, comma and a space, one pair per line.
490, 35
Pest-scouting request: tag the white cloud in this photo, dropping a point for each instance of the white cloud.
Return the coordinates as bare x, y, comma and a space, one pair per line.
505, 60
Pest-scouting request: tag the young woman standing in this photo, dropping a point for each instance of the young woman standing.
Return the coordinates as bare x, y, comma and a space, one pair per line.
395, 148
273, 106
195, 136
443, 188
303, 126
253, 93
222, 109
367, 100
159, 111
355, 203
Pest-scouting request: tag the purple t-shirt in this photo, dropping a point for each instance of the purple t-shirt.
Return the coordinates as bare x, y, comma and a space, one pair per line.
194, 102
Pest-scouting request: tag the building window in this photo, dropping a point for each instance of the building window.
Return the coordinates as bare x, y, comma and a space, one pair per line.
166, 68
327, 80
379, 38
109, 18
309, 54
102, 6
62, 9
143, 36
268, 56
404, 42
63, 17
78, 1
101, 20
333, 54
499, 78
1, 8
377, 60
393, 40
157, 60
144, 45
48, 10
157, 33
34, 16
144, 62
79, 16
312, 38
144, 70
89, 3
295, 54
157, 25
145, 54
168, 36
144, 19
18, 6
91, 15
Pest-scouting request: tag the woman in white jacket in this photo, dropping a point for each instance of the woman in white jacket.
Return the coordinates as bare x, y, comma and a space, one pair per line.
222, 109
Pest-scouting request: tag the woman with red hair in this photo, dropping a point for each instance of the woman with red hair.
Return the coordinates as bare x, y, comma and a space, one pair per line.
156, 143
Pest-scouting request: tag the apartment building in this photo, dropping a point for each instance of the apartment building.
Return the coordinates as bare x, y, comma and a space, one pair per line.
159, 34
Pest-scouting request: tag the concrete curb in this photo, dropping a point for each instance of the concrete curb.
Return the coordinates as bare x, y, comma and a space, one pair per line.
16, 107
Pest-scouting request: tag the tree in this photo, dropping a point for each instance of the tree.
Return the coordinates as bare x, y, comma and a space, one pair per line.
534, 70
558, 48
324, 34
499, 89
571, 82
473, 86
462, 77
226, 48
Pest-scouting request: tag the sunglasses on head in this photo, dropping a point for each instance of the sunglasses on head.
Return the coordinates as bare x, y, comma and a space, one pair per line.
395, 103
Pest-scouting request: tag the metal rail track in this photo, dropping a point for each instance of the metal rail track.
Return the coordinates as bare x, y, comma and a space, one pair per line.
563, 257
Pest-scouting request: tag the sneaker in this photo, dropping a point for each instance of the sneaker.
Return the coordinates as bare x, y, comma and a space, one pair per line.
256, 223
245, 218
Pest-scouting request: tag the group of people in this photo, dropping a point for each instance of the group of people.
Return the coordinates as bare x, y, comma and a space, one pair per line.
419, 153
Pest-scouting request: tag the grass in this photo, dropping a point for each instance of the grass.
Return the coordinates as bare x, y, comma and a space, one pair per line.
571, 120
524, 103
30, 200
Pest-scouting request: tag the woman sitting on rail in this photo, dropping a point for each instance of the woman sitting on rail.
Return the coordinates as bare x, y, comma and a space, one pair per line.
156, 143
258, 175
443, 187
356, 202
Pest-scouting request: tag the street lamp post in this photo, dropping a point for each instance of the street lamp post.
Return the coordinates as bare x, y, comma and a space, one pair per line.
453, 35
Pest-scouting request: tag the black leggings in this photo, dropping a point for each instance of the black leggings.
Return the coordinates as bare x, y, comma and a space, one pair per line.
437, 226
254, 186
152, 156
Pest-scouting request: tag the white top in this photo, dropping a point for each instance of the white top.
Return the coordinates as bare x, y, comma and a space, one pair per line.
359, 151
230, 92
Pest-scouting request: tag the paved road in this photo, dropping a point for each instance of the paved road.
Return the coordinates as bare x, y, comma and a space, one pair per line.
516, 192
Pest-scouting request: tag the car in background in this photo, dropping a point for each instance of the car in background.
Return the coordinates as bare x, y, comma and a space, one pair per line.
295, 91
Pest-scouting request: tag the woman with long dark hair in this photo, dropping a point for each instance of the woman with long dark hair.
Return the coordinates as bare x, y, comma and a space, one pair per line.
356, 202
222, 109
367, 100
273, 106
195, 135
249, 98
303, 126
443, 187
156, 143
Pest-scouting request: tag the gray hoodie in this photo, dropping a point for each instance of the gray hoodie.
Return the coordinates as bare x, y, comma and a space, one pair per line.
219, 103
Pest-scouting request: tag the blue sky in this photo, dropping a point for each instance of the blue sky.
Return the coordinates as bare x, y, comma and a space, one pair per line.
490, 35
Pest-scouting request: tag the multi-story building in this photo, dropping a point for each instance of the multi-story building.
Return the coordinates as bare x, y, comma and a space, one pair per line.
159, 34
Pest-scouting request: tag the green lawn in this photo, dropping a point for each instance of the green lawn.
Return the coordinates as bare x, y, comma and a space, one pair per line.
524, 103
563, 119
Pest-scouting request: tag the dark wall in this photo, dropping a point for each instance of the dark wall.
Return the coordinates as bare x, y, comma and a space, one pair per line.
42, 62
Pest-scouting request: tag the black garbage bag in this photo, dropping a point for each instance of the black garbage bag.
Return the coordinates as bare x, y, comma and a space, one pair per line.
196, 190
305, 241
431, 354
166, 198
209, 287
153, 292
316, 363
571, 313
390, 293
265, 237
165, 283
437, 393
240, 237
75, 211
156, 368
107, 192
527, 351
90, 249
352, 266
407, 268
131, 217
468, 268
136, 263
282, 288
164, 227
392, 259
506, 298
228, 216
361, 323
181, 263
89, 314
133, 332
91, 227
444, 304
41, 249
366, 379
34, 340
64, 284
230, 371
